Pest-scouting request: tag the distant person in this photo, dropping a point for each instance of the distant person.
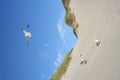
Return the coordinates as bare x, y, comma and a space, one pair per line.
83, 61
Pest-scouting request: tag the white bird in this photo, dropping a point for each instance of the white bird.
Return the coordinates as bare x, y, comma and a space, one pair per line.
97, 42
26, 34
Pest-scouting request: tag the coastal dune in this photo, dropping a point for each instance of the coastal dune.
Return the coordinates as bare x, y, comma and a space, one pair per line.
98, 19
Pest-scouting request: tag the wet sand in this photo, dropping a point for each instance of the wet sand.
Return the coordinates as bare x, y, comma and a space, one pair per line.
98, 19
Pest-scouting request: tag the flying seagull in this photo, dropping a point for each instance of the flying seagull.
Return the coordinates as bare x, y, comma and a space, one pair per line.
28, 26
26, 34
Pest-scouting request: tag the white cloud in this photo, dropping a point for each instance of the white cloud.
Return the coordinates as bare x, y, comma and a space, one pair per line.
62, 32
61, 28
43, 77
44, 56
58, 60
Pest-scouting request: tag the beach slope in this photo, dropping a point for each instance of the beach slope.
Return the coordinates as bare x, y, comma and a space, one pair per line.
98, 19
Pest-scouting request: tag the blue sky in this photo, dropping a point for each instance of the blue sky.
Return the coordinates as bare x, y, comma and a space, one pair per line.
51, 39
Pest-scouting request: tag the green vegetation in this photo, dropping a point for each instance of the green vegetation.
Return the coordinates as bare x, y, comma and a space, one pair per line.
66, 4
70, 17
75, 33
63, 67
74, 30
77, 25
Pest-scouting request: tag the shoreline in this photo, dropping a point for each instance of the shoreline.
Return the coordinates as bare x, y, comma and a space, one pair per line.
70, 20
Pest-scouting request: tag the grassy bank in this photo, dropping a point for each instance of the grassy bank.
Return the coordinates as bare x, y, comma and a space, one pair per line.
70, 17
63, 67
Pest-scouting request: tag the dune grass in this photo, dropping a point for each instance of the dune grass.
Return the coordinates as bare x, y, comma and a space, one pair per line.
66, 4
70, 17
74, 31
63, 67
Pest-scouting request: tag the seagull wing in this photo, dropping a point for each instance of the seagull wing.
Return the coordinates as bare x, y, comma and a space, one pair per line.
28, 26
24, 31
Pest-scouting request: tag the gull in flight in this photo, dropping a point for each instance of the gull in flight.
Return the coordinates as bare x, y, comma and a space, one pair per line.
26, 34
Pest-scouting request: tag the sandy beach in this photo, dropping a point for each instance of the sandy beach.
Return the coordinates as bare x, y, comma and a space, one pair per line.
98, 19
